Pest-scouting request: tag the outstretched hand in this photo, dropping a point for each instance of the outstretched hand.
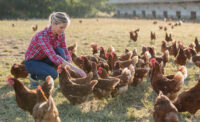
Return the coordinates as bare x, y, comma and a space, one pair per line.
76, 69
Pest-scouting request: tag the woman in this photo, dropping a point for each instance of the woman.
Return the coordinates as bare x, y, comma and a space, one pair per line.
48, 50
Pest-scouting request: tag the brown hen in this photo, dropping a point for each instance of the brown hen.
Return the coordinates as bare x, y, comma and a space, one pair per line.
19, 70
104, 87
76, 90
164, 110
169, 87
45, 109
180, 58
26, 98
72, 48
189, 100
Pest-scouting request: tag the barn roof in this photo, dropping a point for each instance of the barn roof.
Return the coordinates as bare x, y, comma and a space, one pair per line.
148, 1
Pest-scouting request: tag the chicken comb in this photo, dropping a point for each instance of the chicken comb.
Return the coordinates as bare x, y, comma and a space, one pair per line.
70, 52
15, 65
59, 66
100, 71
39, 87
10, 81
101, 48
113, 52
106, 55
153, 60
99, 68
59, 69
82, 58
9, 78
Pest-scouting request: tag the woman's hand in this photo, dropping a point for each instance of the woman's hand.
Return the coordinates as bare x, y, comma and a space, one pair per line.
76, 69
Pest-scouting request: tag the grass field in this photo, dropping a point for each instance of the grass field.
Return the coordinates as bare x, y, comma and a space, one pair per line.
135, 105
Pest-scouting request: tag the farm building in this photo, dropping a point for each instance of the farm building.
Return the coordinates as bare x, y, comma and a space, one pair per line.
175, 9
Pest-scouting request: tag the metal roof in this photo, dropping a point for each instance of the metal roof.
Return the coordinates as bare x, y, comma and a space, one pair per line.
148, 1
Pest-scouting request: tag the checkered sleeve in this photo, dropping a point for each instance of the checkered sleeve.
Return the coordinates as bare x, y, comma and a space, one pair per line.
43, 41
64, 46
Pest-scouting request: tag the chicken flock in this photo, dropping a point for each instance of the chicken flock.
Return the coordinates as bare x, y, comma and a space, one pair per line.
110, 74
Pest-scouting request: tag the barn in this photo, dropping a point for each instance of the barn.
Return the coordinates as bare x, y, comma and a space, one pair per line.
157, 9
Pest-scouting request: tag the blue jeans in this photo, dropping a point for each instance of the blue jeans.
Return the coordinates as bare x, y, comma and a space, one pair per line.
40, 69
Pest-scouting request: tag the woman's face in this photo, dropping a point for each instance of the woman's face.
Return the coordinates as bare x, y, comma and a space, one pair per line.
59, 28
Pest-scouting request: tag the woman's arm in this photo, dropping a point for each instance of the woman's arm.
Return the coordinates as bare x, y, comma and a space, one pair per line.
68, 56
64, 46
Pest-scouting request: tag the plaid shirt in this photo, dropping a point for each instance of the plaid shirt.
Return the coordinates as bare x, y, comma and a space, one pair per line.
43, 44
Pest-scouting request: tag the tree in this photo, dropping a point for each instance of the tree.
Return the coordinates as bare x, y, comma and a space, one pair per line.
42, 8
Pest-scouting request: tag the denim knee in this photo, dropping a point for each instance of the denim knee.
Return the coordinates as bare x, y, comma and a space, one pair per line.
27, 66
54, 75
40, 70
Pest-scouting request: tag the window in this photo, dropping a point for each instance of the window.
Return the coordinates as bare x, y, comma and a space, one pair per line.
193, 15
134, 13
126, 14
154, 14
165, 14
178, 14
143, 13
118, 13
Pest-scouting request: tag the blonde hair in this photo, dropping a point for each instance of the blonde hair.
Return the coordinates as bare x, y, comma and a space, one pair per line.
59, 17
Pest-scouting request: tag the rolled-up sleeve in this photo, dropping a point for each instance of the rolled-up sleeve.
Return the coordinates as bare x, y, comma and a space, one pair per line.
45, 45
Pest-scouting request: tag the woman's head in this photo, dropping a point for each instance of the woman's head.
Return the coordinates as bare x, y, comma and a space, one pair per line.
59, 21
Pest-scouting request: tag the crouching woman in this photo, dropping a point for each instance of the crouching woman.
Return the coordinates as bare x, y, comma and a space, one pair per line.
48, 49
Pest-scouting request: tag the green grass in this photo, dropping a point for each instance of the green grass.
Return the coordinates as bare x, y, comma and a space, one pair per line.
135, 105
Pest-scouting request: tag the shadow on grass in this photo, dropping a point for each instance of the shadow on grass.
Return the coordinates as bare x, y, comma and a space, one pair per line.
190, 64
10, 112
136, 98
5, 89
69, 112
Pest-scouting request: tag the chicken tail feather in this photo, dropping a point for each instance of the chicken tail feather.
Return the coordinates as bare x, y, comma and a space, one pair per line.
183, 70
179, 77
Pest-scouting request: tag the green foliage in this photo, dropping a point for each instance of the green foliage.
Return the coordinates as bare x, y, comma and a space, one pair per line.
42, 8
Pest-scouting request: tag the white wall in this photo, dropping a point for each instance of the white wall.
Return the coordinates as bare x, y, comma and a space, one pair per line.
184, 8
